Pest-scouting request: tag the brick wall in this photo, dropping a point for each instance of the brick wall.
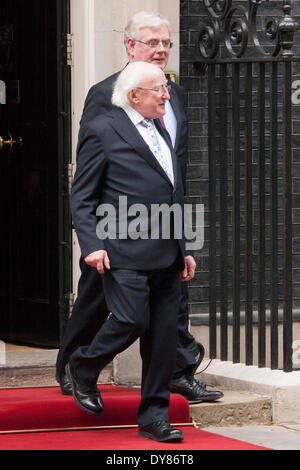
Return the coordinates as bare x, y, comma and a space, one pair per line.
192, 79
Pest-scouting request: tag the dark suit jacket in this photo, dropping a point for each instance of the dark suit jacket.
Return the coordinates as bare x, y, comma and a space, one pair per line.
113, 160
98, 101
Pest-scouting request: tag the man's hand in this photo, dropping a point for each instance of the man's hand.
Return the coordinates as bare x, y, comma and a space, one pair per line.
189, 271
99, 260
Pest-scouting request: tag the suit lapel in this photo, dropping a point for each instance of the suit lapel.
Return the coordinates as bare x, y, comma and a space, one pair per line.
127, 130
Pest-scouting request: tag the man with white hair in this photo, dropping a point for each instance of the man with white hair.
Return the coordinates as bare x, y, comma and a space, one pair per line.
126, 153
147, 39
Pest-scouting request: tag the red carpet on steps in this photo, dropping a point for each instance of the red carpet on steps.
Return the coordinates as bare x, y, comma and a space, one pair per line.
55, 416
47, 408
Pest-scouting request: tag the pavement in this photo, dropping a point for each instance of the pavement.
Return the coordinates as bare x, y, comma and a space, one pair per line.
273, 437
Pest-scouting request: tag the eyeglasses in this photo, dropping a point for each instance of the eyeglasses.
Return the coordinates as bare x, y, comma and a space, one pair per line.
161, 89
154, 44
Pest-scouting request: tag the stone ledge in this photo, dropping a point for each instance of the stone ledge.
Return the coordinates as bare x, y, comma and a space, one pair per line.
35, 368
27, 358
235, 409
203, 318
27, 377
282, 388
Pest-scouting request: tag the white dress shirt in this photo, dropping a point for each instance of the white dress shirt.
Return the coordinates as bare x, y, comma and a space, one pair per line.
136, 118
170, 122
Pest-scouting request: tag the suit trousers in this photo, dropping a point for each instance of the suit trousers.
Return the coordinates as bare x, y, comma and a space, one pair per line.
143, 304
90, 311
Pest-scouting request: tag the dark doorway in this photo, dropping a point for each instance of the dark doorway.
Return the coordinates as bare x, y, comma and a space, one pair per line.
35, 230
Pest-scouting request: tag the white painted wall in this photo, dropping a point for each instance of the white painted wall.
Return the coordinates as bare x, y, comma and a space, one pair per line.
109, 26
83, 76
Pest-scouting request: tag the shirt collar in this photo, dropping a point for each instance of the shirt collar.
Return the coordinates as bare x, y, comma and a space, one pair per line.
133, 115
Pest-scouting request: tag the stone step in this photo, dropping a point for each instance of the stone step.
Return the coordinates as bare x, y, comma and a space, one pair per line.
34, 368
234, 409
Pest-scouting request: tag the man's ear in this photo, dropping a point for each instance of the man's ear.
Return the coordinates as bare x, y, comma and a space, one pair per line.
130, 47
133, 96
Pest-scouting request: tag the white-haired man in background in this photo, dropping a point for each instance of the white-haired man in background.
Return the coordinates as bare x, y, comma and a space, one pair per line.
147, 39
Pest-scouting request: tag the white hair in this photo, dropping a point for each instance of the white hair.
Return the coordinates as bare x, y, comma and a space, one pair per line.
142, 20
131, 77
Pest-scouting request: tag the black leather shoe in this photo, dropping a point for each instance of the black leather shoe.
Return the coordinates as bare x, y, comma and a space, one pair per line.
161, 431
87, 397
64, 382
192, 390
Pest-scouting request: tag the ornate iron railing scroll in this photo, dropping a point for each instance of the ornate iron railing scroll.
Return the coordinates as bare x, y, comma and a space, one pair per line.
233, 32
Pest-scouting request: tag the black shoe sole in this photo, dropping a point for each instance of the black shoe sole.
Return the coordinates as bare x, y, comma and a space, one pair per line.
193, 401
203, 400
212, 399
148, 435
87, 410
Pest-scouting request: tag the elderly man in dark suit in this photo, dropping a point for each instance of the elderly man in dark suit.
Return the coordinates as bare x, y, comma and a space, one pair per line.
124, 155
147, 39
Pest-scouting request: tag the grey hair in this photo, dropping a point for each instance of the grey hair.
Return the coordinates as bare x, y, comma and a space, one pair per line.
131, 77
143, 19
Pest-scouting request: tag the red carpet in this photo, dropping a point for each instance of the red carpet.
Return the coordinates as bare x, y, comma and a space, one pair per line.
119, 440
47, 410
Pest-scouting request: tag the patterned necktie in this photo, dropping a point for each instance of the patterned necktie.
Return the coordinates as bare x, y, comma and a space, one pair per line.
156, 149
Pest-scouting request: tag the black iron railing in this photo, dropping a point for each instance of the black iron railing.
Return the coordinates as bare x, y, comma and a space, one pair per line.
249, 62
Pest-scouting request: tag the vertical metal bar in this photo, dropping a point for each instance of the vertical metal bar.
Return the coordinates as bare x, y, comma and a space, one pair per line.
212, 209
287, 214
249, 215
261, 220
236, 212
223, 213
274, 216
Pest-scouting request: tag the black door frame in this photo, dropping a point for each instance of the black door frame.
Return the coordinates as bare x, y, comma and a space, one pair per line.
57, 87
65, 162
